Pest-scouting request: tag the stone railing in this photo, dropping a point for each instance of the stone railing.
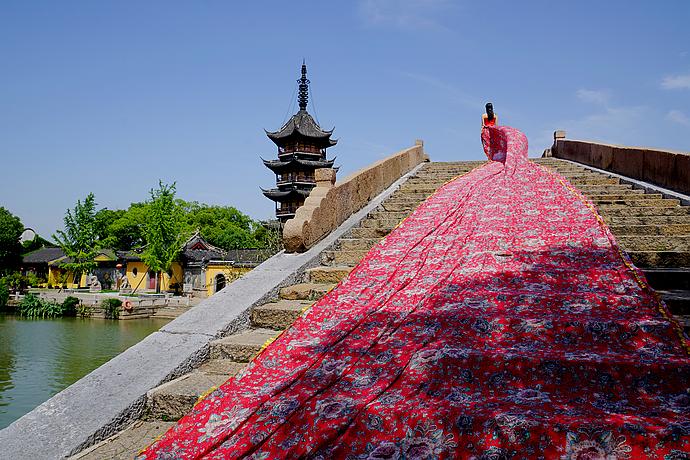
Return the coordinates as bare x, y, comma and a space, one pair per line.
329, 204
664, 168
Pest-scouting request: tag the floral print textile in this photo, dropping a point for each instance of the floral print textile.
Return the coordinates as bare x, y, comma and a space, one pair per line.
500, 320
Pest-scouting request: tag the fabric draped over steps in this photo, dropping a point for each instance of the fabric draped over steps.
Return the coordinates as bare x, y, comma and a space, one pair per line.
499, 320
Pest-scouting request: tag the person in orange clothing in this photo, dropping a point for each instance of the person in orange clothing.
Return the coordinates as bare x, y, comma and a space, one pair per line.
489, 118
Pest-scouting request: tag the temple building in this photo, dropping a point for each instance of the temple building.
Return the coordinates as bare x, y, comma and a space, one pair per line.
302, 148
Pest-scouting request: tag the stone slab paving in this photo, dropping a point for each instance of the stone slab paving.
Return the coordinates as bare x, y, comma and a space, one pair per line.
133, 439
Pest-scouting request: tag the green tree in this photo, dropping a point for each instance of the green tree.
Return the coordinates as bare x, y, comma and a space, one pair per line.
11, 229
268, 235
102, 222
225, 226
164, 230
37, 243
125, 229
79, 240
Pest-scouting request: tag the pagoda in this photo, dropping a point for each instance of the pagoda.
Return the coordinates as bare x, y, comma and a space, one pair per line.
302, 148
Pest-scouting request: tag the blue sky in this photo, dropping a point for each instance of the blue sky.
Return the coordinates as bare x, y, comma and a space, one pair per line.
109, 97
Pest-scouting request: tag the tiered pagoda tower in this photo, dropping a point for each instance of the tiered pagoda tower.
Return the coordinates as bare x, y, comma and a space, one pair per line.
302, 148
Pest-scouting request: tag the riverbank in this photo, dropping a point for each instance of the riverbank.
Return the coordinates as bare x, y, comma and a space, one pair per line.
133, 306
39, 358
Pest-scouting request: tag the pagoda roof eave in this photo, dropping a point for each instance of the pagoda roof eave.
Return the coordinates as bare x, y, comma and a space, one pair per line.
283, 195
303, 125
280, 165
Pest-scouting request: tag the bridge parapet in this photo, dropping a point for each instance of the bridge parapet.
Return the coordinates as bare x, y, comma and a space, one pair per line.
664, 168
330, 203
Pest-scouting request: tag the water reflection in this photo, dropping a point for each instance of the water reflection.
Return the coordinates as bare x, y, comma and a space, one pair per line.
38, 358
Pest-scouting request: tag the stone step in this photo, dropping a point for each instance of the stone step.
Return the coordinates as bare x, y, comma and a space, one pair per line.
381, 223
641, 211
654, 243
594, 181
126, 444
418, 188
278, 315
376, 232
434, 185
635, 203
305, 291
324, 274
660, 259
575, 175
606, 189
435, 167
347, 258
647, 220
668, 278
445, 171
561, 167
243, 346
445, 175
677, 300
671, 230
424, 181
399, 215
398, 206
353, 244
630, 195
409, 196
174, 399
222, 366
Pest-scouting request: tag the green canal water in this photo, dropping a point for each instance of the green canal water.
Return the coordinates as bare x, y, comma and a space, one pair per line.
39, 358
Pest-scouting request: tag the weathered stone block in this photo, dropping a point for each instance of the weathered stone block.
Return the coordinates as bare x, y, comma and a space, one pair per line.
327, 274
305, 291
172, 400
242, 347
278, 315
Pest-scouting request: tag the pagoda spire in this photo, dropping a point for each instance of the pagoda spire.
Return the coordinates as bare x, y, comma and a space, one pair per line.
303, 88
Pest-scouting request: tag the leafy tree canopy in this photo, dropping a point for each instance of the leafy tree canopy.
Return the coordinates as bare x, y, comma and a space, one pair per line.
164, 228
122, 229
223, 226
79, 239
11, 229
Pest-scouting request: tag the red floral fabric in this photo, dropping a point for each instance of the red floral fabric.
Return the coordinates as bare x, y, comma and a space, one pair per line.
500, 320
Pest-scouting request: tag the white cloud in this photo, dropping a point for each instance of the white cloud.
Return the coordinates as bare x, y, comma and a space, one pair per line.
599, 97
676, 116
413, 14
676, 82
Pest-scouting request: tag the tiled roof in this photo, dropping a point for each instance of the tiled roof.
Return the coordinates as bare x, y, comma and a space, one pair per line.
304, 125
43, 255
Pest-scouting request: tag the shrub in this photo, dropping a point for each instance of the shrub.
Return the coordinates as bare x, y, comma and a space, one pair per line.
4, 294
84, 311
69, 306
16, 282
31, 279
32, 306
111, 308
